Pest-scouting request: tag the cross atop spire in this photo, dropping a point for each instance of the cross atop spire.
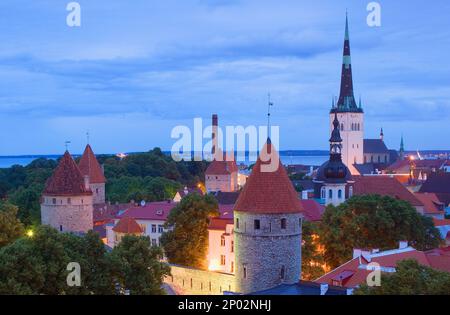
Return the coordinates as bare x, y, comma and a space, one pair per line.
269, 104
347, 102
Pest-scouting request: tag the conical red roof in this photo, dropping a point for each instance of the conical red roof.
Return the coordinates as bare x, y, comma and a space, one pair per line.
268, 192
89, 166
66, 179
127, 226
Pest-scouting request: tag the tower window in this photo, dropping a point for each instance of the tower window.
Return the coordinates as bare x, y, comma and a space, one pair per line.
232, 268
282, 272
244, 271
257, 224
342, 127
222, 241
330, 194
222, 260
69, 201
283, 224
237, 223
60, 228
232, 247
54, 201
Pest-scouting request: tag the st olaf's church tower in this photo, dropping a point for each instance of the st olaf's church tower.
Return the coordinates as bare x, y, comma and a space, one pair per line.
349, 114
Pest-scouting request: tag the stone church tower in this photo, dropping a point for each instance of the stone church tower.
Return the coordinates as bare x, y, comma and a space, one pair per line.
67, 203
350, 115
90, 167
267, 229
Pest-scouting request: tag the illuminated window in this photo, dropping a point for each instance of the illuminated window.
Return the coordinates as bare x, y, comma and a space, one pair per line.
222, 241
222, 260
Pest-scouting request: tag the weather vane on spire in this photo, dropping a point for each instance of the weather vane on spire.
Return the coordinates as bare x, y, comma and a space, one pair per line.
66, 144
270, 103
87, 136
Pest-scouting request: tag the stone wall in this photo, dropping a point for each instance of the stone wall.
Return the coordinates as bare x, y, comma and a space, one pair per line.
268, 256
191, 281
99, 193
68, 214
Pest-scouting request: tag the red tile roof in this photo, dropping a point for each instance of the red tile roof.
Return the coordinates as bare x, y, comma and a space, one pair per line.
438, 259
127, 226
151, 211
89, 166
221, 168
66, 179
312, 209
384, 186
268, 192
430, 164
219, 224
438, 222
431, 203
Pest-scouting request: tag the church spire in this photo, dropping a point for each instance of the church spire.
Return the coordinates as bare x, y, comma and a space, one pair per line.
347, 102
381, 134
402, 149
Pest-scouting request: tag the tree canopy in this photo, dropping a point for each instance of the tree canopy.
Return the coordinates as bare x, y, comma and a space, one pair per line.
186, 241
10, 227
373, 222
410, 278
44, 258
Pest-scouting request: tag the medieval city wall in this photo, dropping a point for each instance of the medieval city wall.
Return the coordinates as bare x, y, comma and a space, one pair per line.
191, 281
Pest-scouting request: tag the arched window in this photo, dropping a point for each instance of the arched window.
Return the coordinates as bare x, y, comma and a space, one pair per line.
340, 194
330, 194
323, 193
350, 191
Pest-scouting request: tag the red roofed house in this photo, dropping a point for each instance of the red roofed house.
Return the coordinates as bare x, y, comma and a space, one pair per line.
67, 203
222, 173
149, 217
355, 272
432, 206
90, 167
126, 226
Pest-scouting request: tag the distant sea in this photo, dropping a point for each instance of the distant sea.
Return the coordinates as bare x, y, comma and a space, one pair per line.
287, 157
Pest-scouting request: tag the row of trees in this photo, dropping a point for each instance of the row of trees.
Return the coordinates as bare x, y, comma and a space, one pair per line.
37, 264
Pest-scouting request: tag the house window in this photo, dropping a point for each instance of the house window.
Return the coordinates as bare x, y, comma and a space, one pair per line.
322, 193
222, 241
237, 223
379, 159
283, 224
143, 228
342, 127
69, 201
385, 159
350, 191
160, 229
330, 194
232, 246
257, 224
222, 260
232, 267
60, 228
153, 228
300, 221
54, 201
340, 194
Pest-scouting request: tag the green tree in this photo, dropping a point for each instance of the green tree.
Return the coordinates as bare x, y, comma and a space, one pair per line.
186, 241
137, 266
373, 222
10, 226
313, 262
410, 278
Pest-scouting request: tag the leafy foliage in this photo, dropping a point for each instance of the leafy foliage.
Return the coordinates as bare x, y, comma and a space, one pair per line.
186, 241
373, 222
10, 227
313, 262
43, 260
410, 278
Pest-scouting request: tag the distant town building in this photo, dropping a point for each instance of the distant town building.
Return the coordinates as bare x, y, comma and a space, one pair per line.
90, 167
222, 173
180, 194
440, 185
67, 200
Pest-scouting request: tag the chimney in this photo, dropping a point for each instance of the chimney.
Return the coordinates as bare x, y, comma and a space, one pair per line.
323, 288
86, 182
403, 244
305, 195
214, 135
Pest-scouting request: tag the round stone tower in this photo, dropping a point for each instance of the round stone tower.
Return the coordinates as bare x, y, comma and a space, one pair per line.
66, 202
90, 167
267, 228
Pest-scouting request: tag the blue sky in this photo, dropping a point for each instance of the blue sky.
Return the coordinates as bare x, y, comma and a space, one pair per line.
133, 71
